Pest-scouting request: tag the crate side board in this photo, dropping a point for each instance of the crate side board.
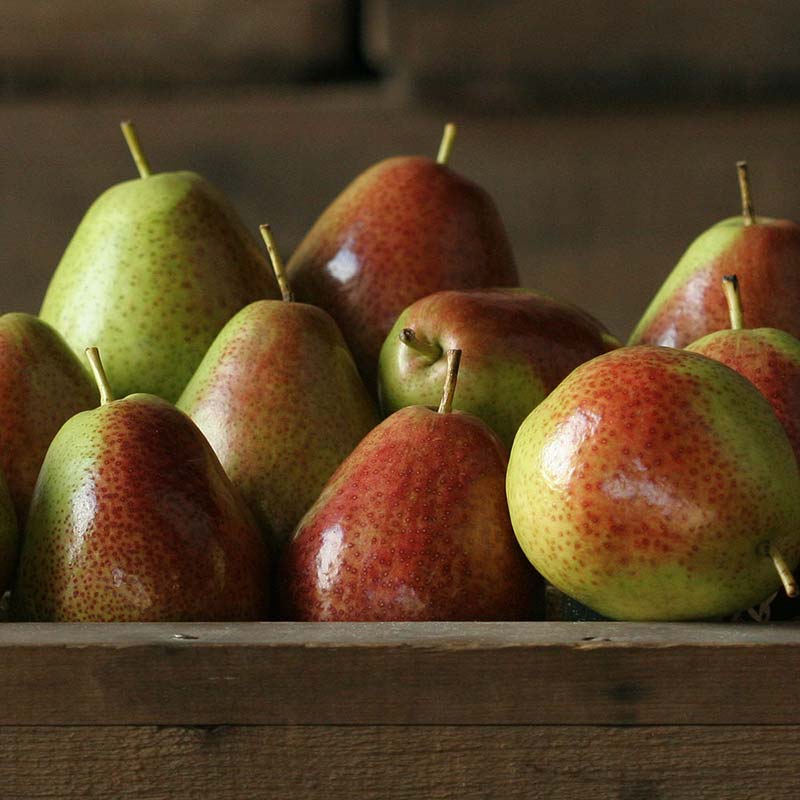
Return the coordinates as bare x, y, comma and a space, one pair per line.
388, 762
398, 674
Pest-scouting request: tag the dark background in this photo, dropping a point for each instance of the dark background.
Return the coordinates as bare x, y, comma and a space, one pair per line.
606, 132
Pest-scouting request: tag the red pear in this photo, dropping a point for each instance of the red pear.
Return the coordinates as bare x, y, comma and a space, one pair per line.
767, 357
413, 526
134, 520
405, 228
763, 252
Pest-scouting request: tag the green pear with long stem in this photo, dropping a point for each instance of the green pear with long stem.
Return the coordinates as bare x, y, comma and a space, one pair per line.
133, 519
42, 384
763, 252
155, 269
280, 400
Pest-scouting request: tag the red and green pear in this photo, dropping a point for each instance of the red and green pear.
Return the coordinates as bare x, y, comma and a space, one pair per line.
280, 400
405, 228
134, 520
657, 484
42, 384
154, 270
518, 346
412, 526
763, 252
767, 357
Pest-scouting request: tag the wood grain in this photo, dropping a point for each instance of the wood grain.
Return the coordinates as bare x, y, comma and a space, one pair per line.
508, 52
390, 763
412, 674
88, 44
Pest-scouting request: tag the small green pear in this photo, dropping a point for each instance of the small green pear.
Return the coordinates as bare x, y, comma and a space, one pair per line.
280, 400
134, 520
155, 269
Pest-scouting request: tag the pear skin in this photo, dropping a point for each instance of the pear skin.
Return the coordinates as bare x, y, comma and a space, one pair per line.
42, 384
656, 484
405, 228
517, 347
155, 269
280, 400
133, 520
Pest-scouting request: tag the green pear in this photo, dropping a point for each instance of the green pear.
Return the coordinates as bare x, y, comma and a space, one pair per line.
9, 536
42, 384
280, 400
763, 252
657, 484
518, 346
155, 269
134, 520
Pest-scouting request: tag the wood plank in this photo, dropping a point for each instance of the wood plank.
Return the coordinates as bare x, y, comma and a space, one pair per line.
88, 43
412, 673
390, 763
513, 52
598, 207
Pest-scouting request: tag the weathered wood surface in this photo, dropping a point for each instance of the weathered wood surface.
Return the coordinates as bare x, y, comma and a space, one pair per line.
506, 51
179, 44
413, 674
598, 207
394, 763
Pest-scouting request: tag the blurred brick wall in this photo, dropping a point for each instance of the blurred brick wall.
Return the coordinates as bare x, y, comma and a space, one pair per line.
607, 132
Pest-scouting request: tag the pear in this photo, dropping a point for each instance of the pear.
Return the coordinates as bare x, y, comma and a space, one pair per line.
155, 269
518, 346
133, 519
412, 526
280, 400
42, 384
767, 357
763, 252
405, 228
657, 484
9, 536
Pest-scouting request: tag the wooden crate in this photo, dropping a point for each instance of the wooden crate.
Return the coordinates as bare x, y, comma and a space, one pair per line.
467, 710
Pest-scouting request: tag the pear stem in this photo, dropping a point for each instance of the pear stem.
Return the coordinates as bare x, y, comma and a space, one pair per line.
446, 145
730, 285
453, 360
139, 158
787, 579
100, 377
744, 189
425, 348
277, 263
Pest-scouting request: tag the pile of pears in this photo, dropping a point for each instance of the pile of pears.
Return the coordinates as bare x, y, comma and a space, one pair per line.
387, 427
